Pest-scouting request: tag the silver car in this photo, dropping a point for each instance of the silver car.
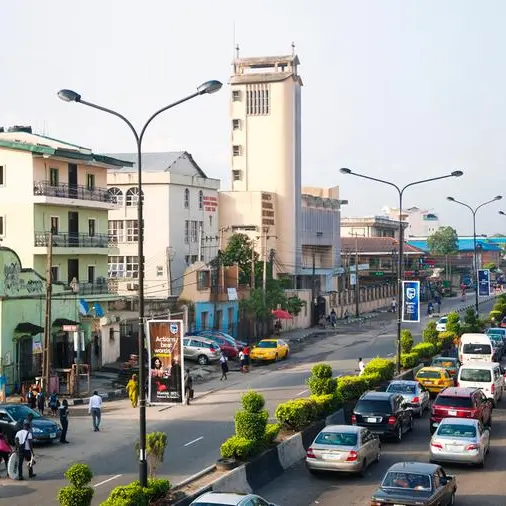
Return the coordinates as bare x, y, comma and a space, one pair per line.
417, 397
343, 448
200, 350
230, 499
460, 440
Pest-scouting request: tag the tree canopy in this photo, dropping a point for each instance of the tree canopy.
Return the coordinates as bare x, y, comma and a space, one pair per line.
443, 242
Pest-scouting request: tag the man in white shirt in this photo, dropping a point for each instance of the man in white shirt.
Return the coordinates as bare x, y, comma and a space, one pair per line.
361, 366
24, 441
95, 409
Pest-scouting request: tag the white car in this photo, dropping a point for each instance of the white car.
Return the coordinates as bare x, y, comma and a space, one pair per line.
441, 324
226, 499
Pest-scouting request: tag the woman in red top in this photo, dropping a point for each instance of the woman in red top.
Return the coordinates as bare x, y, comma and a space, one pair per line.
5, 450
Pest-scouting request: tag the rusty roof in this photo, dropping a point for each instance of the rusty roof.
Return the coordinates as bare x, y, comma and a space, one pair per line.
377, 245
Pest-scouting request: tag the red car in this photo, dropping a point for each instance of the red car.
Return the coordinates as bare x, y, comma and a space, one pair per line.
228, 346
459, 402
503, 323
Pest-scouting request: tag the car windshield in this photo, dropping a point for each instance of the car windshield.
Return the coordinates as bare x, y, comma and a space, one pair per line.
267, 344
477, 349
455, 430
443, 362
373, 406
443, 320
495, 332
428, 374
337, 438
454, 402
480, 375
401, 388
413, 481
20, 412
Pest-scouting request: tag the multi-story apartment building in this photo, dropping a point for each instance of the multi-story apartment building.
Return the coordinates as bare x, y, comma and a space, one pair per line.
371, 226
419, 222
180, 221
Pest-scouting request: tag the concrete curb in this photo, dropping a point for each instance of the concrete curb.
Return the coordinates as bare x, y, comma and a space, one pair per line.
291, 451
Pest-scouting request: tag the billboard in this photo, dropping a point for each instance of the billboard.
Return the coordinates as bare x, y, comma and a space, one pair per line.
166, 361
411, 301
483, 282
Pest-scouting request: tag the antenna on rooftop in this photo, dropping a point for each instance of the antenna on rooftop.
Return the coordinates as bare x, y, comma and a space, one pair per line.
293, 48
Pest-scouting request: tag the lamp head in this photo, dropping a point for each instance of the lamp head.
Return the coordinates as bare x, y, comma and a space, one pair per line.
457, 173
345, 171
498, 197
209, 87
69, 96
451, 199
502, 212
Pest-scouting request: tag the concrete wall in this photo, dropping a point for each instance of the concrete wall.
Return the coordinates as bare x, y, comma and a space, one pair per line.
206, 314
303, 319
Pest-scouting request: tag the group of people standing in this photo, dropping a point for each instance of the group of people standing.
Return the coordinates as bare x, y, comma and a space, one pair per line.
36, 399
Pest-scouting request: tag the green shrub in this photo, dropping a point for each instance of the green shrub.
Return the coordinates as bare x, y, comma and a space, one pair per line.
134, 495
409, 360
296, 414
424, 350
383, 366
79, 475
271, 433
429, 333
406, 340
352, 387
238, 447
79, 493
372, 379
251, 425
156, 443
326, 404
495, 315
321, 371
253, 402
446, 339
453, 323
321, 382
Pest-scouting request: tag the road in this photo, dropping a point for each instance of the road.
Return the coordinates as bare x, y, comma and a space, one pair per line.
194, 433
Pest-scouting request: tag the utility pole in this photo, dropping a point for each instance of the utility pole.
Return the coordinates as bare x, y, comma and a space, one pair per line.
168, 258
201, 231
252, 280
46, 366
313, 288
357, 286
272, 255
264, 274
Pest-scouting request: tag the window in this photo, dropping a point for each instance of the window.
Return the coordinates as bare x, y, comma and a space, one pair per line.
132, 267
116, 230
194, 231
90, 181
91, 274
92, 227
201, 199
203, 280
210, 221
187, 259
132, 196
116, 267
237, 150
257, 100
194, 258
236, 124
2, 175
55, 225
236, 95
186, 231
115, 195
237, 175
159, 270
55, 273
132, 230
54, 177
186, 198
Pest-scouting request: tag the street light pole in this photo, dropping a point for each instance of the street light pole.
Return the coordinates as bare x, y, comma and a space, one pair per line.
71, 96
475, 244
400, 260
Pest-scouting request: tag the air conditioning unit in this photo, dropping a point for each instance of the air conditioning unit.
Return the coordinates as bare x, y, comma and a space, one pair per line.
131, 287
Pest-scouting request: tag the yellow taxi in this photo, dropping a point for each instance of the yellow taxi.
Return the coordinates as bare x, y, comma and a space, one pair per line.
434, 379
269, 349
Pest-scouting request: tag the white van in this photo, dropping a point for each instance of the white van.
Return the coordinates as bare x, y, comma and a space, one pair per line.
475, 347
484, 375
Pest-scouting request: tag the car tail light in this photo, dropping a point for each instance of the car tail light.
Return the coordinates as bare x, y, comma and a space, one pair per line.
391, 420
353, 419
310, 454
437, 445
416, 400
492, 389
472, 447
352, 456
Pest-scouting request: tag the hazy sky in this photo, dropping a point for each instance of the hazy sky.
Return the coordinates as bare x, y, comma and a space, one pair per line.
397, 89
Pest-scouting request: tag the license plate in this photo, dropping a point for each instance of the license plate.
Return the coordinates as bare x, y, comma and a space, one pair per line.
454, 449
428, 382
371, 420
331, 456
452, 412
52, 435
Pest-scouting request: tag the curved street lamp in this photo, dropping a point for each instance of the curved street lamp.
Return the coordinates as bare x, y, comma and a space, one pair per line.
400, 262
475, 246
206, 88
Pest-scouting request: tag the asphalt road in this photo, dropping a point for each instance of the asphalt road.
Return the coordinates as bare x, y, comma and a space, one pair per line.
195, 432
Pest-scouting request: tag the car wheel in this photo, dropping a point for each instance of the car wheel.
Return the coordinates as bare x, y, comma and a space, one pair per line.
363, 469
378, 455
276, 358
398, 436
286, 356
203, 360
481, 464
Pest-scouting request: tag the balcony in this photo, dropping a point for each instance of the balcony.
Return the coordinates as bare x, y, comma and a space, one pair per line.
46, 192
99, 287
69, 240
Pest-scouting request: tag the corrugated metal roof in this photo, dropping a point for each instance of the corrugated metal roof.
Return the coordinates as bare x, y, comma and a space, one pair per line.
462, 244
375, 245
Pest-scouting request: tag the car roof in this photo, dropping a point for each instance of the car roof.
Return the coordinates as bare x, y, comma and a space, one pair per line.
269, 340
403, 382
414, 467
458, 391
341, 428
200, 338
433, 369
445, 359
459, 421
480, 365
371, 395
220, 498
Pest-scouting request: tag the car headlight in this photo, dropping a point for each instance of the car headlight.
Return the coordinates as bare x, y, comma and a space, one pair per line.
36, 430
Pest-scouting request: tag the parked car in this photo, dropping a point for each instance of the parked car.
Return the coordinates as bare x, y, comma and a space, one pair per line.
460, 440
441, 324
228, 346
12, 417
413, 393
451, 364
270, 349
487, 376
498, 345
503, 323
343, 448
409, 483
497, 331
229, 499
458, 402
240, 344
384, 413
434, 379
200, 350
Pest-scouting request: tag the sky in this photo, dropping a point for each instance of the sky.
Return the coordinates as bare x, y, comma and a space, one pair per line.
396, 89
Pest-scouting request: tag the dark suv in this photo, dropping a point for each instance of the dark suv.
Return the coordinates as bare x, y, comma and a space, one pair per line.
383, 413
460, 402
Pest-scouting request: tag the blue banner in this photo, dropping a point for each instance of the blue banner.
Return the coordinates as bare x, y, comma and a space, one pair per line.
411, 301
483, 282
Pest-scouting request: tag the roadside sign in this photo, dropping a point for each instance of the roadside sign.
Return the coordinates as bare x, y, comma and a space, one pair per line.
377, 273
69, 328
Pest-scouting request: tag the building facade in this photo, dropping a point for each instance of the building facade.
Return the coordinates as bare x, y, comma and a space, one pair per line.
420, 222
180, 222
371, 226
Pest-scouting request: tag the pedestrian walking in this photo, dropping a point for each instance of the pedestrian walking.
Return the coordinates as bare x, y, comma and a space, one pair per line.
393, 305
246, 352
188, 386
333, 318
437, 300
361, 366
5, 450
41, 402
346, 315
31, 398
95, 410
64, 420
224, 366
132, 390
53, 403
241, 360
24, 444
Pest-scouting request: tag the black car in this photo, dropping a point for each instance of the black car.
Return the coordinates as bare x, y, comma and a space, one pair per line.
12, 417
410, 483
384, 413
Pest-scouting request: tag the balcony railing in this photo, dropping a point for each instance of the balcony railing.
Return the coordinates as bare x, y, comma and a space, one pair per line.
98, 287
69, 240
66, 191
